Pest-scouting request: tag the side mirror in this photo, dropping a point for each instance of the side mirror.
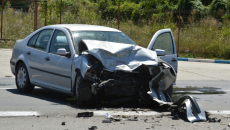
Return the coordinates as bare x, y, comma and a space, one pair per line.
160, 52
62, 52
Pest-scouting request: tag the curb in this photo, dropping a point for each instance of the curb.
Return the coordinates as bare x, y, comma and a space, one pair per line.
204, 60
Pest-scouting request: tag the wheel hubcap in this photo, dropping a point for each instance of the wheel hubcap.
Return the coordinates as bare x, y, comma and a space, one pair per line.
21, 77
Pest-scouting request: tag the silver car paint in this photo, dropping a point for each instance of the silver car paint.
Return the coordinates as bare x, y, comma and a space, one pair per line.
39, 77
19, 54
167, 58
117, 56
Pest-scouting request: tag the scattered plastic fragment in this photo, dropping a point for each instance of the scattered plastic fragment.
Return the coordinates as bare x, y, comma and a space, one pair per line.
93, 128
63, 123
107, 121
134, 119
213, 120
123, 116
85, 114
116, 119
108, 115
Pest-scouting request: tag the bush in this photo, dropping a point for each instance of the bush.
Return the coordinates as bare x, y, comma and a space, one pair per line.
191, 5
217, 5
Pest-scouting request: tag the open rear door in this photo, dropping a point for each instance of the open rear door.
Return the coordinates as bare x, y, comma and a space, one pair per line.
164, 40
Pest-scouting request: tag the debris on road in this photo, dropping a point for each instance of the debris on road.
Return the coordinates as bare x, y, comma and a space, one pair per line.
108, 115
211, 120
134, 119
123, 116
93, 128
63, 123
85, 114
116, 119
214, 120
107, 121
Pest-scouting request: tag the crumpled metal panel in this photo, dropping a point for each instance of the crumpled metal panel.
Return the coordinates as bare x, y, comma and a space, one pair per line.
118, 56
82, 63
193, 115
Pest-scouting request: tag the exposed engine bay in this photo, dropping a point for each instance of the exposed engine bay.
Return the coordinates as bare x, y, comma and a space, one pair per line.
98, 82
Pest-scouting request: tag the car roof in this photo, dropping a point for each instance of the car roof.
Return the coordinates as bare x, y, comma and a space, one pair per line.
85, 27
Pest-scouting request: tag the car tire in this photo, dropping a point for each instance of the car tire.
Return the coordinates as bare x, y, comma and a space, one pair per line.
77, 84
79, 99
22, 79
170, 90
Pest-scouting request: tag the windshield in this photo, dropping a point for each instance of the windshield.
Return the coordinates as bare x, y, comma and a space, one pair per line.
117, 37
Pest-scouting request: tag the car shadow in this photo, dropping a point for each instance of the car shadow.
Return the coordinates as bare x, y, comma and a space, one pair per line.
58, 98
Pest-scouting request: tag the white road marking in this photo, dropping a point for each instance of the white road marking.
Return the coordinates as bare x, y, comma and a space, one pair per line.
18, 113
139, 113
222, 112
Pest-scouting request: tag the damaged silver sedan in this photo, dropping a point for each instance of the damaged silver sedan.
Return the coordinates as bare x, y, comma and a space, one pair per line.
99, 64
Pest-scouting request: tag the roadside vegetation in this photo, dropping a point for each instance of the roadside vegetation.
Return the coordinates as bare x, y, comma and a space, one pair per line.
204, 28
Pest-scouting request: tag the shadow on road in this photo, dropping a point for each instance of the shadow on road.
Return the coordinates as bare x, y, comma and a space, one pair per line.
52, 96
61, 99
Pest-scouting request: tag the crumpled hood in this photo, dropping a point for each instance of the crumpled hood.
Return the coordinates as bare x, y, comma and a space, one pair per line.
117, 56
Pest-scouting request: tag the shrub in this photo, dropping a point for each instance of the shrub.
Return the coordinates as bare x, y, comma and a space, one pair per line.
217, 5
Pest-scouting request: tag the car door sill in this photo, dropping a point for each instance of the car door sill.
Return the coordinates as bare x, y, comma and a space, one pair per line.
53, 88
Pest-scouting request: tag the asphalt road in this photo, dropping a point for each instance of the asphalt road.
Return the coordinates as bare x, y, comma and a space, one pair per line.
54, 108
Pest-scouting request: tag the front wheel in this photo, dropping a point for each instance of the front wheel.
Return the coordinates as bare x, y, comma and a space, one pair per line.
22, 79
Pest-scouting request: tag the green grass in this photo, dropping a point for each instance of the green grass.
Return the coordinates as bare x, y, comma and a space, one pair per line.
207, 38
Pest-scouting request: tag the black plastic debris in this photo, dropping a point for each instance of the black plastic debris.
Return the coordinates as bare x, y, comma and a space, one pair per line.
133, 119
63, 123
178, 113
214, 120
93, 128
211, 120
85, 114
116, 119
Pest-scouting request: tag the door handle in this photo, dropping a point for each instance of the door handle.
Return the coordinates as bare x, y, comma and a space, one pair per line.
28, 53
173, 60
47, 58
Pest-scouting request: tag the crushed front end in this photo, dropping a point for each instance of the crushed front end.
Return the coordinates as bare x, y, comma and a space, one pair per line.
113, 78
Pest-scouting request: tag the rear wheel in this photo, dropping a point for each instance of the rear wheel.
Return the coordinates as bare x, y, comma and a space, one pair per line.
22, 79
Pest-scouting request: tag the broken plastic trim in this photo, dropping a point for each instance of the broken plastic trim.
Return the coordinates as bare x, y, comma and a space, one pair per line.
181, 100
194, 111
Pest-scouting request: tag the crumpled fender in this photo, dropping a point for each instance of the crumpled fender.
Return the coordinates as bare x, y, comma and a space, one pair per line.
82, 63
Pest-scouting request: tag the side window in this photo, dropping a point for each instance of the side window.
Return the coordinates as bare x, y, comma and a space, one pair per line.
43, 39
32, 40
59, 40
164, 42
